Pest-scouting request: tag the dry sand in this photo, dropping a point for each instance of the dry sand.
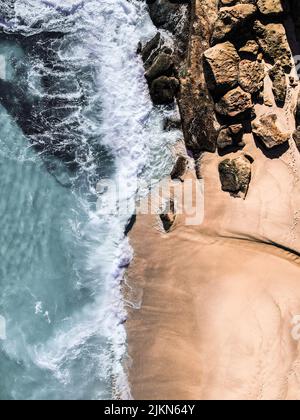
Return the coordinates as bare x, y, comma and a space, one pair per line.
217, 301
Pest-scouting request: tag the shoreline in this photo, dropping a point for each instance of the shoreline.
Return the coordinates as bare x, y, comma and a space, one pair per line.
214, 305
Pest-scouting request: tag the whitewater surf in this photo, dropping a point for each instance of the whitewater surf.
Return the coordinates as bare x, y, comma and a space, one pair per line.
82, 115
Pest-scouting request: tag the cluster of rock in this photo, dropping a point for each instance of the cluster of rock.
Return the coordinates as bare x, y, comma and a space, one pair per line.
159, 60
162, 65
160, 71
246, 40
234, 47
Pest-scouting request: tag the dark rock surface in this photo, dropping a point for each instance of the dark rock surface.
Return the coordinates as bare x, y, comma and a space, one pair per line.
235, 175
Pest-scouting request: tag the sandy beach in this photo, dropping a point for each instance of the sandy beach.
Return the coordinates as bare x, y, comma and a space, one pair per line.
216, 306
218, 300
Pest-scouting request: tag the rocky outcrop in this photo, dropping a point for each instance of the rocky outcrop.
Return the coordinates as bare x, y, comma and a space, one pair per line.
163, 65
235, 175
234, 103
160, 71
231, 136
270, 7
164, 89
233, 45
150, 50
168, 216
161, 62
270, 131
200, 125
169, 15
273, 41
279, 79
231, 19
251, 76
222, 67
180, 168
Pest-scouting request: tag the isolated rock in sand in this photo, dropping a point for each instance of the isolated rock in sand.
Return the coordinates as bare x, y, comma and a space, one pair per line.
232, 18
269, 129
251, 75
270, 7
235, 174
273, 41
234, 103
168, 216
222, 67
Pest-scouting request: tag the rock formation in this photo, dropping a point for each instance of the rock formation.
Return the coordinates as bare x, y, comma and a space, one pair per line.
235, 175
222, 67
269, 130
233, 50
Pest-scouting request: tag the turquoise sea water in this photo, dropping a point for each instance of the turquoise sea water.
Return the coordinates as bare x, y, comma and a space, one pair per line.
40, 281
62, 258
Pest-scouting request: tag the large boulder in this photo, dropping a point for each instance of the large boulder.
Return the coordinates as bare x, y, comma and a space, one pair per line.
231, 136
170, 16
270, 7
235, 102
163, 65
163, 90
164, 13
150, 50
221, 67
235, 175
274, 43
270, 130
231, 19
179, 168
251, 75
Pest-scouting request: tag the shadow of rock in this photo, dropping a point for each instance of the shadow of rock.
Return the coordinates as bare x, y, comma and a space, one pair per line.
275, 152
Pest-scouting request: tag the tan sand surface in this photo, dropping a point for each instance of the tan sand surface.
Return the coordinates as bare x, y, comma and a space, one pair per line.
217, 301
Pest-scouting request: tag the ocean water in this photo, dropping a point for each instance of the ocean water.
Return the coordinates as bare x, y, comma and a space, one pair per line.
62, 252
